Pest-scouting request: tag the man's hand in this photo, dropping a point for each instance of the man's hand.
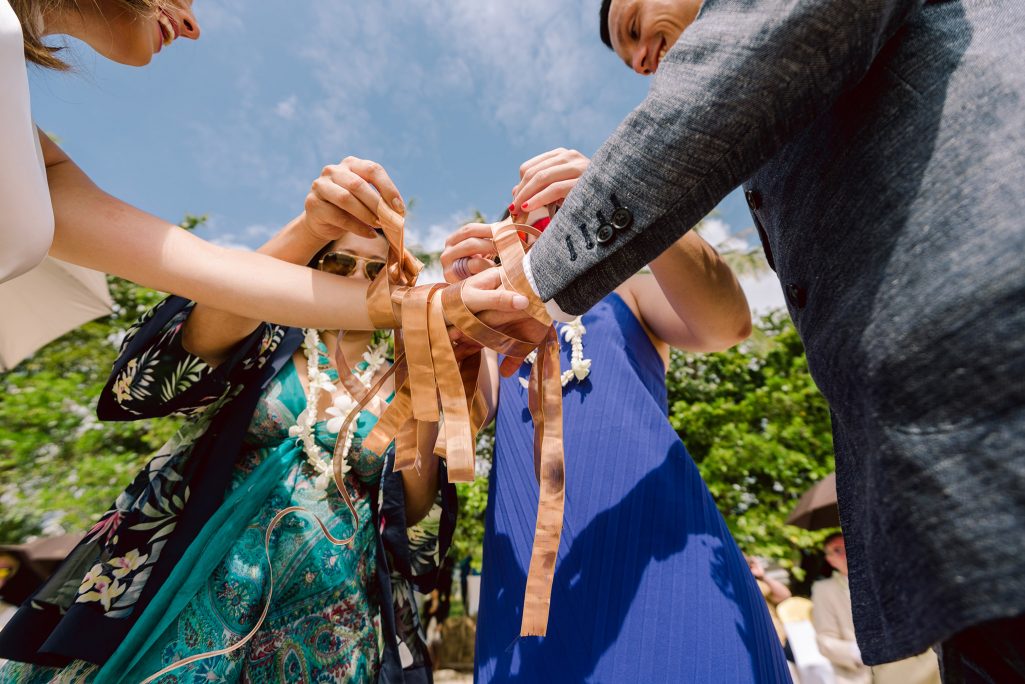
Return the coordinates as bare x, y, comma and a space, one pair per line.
547, 179
347, 197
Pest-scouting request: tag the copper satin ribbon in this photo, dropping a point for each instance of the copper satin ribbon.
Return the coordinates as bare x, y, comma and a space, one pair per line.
431, 386
434, 385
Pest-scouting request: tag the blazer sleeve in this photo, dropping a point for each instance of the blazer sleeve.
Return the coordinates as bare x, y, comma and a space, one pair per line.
743, 78
155, 376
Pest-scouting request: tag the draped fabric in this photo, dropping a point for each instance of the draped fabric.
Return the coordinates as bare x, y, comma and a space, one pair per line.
649, 584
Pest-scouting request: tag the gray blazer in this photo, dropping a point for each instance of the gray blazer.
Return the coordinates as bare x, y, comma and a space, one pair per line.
883, 147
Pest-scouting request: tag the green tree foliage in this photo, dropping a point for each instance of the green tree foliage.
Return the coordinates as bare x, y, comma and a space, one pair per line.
759, 430
473, 500
59, 466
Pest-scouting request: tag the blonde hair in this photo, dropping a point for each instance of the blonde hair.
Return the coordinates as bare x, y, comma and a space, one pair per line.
31, 14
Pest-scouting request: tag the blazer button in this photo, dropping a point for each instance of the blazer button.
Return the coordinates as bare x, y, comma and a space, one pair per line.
605, 234
796, 295
754, 199
622, 218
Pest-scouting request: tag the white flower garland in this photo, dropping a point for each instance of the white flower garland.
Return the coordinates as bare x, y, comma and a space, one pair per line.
580, 368
343, 404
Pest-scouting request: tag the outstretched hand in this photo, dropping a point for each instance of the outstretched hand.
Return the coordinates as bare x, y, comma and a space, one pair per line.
351, 196
472, 242
547, 179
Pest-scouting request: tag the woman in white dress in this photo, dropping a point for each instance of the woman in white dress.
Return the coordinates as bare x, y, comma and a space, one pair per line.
49, 205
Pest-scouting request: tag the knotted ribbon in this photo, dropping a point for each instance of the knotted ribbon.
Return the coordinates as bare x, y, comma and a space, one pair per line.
433, 387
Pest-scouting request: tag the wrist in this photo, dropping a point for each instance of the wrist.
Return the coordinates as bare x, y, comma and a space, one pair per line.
296, 242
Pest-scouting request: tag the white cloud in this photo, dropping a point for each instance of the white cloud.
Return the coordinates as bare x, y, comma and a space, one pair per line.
247, 238
762, 288
529, 66
721, 235
763, 293
286, 108
223, 16
432, 238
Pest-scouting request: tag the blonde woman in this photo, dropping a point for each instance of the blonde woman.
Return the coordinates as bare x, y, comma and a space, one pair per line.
48, 205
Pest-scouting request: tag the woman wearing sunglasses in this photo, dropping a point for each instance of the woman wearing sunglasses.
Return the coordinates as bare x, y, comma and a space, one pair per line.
178, 567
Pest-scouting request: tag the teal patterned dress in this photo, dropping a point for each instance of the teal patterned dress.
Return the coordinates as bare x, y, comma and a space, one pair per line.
321, 626
323, 620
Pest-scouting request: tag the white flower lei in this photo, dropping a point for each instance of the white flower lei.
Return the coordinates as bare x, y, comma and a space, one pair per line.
580, 368
319, 381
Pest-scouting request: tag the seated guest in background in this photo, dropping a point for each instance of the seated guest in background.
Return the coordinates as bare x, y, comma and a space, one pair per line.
775, 592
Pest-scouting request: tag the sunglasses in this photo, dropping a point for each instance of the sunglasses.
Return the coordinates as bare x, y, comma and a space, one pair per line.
345, 264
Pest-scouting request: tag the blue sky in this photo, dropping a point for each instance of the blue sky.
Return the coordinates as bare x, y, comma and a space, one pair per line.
449, 96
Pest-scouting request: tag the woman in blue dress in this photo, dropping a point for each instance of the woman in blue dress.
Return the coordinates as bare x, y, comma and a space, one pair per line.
649, 585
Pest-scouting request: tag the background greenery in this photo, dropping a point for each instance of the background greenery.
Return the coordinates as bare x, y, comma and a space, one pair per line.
751, 417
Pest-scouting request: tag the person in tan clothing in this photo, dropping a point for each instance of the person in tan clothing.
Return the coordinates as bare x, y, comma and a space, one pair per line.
834, 627
774, 592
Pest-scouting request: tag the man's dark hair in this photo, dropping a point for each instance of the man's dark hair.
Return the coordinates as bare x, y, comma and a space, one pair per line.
604, 24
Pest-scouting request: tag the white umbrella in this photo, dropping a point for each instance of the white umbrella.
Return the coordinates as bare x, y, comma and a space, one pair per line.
43, 304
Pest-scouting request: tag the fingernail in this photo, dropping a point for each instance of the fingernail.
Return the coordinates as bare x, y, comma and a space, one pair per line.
523, 206
520, 302
512, 208
399, 206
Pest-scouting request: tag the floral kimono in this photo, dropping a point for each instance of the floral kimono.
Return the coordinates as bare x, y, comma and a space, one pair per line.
178, 567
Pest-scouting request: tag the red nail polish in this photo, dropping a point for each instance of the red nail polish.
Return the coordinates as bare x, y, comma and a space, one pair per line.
524, 206
512, 208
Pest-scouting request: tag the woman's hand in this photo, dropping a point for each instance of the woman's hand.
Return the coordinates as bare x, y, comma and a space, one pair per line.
350, 197
472, 242
547, 179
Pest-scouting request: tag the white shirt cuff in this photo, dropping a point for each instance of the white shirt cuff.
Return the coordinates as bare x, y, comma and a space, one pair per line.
553, 309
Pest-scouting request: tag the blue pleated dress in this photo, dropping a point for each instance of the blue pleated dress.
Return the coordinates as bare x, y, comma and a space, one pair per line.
649, 585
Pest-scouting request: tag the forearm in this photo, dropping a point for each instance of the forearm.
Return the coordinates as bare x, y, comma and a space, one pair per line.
211, 333
703, 307
778, 591
420, 485
96, 230
739, 83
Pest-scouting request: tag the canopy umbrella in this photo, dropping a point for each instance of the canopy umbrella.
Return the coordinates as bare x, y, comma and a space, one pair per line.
36, 561
817, 508
43, 304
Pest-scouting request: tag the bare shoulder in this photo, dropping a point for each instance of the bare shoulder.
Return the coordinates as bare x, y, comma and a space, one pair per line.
632, 291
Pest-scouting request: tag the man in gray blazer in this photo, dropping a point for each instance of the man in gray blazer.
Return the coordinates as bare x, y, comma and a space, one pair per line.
881, 144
